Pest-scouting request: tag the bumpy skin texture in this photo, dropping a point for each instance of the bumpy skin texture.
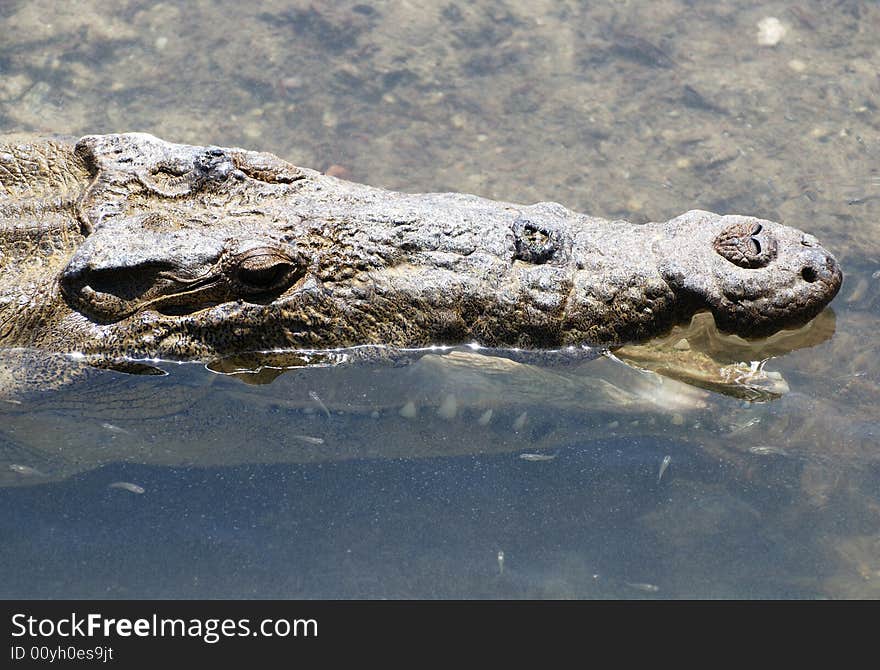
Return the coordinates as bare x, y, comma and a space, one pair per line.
130, 245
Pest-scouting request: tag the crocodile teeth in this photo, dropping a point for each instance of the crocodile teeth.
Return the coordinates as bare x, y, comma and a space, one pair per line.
449, 407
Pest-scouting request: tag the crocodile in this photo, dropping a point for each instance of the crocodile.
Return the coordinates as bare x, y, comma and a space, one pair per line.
126, 245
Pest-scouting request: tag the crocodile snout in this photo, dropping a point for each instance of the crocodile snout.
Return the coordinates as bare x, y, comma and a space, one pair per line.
819, 266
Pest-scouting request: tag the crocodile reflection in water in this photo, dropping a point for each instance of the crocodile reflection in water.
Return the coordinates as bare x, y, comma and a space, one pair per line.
460, 402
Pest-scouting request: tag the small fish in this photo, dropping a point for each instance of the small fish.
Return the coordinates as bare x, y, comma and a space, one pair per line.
314, 396
766, 450
500, 562
520, 422
537, 457
26, 470
643, 586
744, 426
308, 439
115, 429
663, 465
127, 486
640, 51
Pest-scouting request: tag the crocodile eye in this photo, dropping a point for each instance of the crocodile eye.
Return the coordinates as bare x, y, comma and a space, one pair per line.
263, 270
265, 276
533, 242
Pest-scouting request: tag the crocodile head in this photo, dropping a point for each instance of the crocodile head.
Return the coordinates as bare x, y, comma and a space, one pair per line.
192, 252
756, 276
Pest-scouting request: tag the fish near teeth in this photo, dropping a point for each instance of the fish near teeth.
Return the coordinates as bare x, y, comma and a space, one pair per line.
485, 417
537, 458
127, 486
663, 465
26, 470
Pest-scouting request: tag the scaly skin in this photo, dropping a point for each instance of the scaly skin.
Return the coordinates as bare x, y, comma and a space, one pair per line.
127, 245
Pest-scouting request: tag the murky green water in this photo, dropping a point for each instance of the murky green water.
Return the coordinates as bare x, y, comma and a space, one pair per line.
457, 476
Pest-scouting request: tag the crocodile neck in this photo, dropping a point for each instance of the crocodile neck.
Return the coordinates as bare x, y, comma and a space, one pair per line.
39, 232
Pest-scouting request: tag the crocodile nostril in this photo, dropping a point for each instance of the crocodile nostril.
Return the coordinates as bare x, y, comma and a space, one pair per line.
809, 274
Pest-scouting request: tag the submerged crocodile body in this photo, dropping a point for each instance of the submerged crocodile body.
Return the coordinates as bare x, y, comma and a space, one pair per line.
127, 245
